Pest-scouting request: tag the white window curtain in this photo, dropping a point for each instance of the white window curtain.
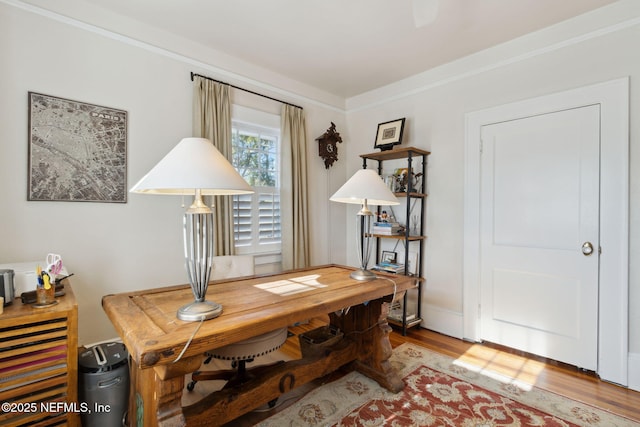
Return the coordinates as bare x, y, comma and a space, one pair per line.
294, 189
212, 120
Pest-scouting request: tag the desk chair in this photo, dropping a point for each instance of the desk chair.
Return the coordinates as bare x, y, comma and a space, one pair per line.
243, 352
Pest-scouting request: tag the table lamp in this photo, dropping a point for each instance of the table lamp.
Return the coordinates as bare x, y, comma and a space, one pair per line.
195, 167
364, 188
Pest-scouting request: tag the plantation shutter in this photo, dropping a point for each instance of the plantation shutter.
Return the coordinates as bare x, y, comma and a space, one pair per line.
242, 215
269, 209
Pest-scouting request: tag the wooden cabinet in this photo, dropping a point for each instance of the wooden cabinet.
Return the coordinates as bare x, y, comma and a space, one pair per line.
409, 185
39, 363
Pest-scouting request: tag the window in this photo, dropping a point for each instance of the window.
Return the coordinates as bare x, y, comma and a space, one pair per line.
256, 156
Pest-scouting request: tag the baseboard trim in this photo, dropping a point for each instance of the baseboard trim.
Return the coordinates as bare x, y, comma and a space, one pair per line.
446, 322
634, 371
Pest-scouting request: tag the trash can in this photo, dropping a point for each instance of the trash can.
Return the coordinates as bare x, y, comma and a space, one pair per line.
103, 372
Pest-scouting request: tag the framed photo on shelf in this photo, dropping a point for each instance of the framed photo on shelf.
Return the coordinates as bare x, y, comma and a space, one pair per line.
389, 134
413, 263
389, 256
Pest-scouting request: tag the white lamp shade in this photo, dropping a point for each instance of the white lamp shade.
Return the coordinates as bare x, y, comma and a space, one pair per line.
365, 184
193, 164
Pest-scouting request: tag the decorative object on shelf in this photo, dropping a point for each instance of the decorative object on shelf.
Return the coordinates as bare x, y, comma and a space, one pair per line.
417, 180
195, 167
402, 177
365, 188
385, 217
389, 134
415, 222
390, 181
77, 151
327, 145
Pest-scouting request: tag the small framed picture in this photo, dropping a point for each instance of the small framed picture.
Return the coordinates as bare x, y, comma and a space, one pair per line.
413, 263
389, 134
389, 256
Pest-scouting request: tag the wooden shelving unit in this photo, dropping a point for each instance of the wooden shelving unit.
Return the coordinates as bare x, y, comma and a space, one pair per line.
404, 316
39, 363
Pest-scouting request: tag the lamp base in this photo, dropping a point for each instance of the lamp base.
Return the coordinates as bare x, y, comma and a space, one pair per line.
363, 275
197, 311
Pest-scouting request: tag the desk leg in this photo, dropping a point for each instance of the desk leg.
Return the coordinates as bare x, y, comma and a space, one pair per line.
156, 393
367, 326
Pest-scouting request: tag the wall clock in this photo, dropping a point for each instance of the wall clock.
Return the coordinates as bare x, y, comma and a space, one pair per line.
328, 148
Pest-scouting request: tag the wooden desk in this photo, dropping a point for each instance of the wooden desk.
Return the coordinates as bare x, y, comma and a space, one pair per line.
155, 338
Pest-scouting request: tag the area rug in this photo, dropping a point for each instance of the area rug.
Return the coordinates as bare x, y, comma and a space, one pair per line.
438, 392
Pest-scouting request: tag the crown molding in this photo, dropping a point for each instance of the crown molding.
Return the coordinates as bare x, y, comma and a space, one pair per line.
562, 35
218, 72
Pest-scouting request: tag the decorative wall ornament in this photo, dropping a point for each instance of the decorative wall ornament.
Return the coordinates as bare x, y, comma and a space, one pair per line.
328, 148
77, 151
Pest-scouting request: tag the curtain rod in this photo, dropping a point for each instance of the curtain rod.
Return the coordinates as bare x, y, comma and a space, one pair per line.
245, 90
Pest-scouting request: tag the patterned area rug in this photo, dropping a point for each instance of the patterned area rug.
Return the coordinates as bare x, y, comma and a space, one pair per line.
438, 392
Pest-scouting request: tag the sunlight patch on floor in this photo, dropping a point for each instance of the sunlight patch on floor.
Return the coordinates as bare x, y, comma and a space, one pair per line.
501, 366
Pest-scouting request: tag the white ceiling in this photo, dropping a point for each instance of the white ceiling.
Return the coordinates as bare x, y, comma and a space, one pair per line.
344, 47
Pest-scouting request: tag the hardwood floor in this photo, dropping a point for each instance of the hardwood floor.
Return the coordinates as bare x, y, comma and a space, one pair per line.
546, 374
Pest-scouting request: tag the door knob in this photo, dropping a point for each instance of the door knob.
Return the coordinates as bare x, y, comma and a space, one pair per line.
587, 248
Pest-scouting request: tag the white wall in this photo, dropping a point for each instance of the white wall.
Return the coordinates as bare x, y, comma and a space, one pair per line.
435, 103
120, 247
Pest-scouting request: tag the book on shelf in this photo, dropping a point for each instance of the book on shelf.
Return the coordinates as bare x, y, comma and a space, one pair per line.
386, 224
386, 231
398, 317
386, 228
390, 267
395, 313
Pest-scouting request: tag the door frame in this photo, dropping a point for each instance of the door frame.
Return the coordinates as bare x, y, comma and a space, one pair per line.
613, 321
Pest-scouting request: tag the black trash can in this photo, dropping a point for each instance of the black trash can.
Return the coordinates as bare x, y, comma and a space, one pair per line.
103, 372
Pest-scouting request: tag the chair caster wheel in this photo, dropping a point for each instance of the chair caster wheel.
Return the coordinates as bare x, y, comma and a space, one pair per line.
191, 385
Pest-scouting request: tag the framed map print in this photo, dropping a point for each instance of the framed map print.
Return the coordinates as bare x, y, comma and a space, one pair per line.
77, 151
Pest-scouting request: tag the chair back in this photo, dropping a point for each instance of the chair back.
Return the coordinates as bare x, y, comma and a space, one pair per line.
231, 266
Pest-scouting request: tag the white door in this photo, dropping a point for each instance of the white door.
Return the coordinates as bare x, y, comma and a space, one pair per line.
539, 234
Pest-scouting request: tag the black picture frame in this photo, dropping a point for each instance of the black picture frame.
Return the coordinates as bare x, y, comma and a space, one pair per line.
389, 256
389, 134
77, 151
